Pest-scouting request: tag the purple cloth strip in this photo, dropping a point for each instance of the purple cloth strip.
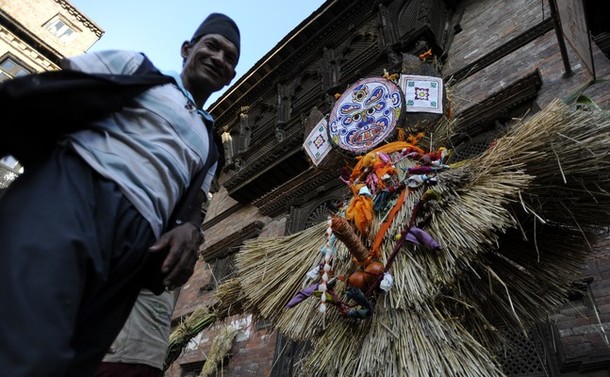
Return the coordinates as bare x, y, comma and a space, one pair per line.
421, 237
420, 169
302, 295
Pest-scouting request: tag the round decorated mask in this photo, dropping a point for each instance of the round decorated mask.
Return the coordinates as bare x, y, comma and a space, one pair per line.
365, 114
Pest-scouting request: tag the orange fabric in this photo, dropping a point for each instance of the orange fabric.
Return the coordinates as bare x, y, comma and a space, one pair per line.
356, 188
402, 136
388, 148
366, 161
382, 169
414, 139
360, 210
426, 54
386, 224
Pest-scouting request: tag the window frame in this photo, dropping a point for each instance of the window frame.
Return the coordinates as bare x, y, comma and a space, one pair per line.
61, 29
21, 69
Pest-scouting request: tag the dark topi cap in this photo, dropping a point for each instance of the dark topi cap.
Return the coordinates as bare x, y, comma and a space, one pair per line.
218, 23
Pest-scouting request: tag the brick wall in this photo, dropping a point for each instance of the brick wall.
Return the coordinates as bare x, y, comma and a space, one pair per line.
582, 328
254, 346
253, 356
542, 54
579, 344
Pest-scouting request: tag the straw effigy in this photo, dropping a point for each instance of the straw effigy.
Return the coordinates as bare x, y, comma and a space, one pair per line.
506, 236
514, 226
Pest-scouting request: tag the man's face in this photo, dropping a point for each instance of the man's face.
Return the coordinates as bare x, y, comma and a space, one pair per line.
209, 63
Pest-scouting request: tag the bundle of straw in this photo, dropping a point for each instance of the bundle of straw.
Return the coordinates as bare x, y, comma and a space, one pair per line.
199, 320
220, 349
272, 270
398, 343
227, 301
515, 225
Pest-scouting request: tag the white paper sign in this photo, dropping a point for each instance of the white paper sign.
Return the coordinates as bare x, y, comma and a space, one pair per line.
422, 93
317, 144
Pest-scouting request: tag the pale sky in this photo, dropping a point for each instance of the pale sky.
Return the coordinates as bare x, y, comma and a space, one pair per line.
158, 27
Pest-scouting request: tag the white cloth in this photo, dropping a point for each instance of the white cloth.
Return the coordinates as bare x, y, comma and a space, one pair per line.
144, 337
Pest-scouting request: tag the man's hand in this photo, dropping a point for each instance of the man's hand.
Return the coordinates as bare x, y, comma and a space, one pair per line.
182, 243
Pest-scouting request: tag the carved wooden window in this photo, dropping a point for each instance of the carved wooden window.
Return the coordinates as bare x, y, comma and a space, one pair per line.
473, 147
319, 214
522, 355
360, 51
433, 15
224, 269
287, 355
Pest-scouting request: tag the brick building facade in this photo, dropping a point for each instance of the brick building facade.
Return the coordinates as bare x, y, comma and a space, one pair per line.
499, 60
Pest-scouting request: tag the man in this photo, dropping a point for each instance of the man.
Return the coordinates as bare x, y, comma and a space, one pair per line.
76, 229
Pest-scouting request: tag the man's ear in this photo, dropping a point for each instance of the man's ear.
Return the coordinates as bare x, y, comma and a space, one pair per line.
184, 49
